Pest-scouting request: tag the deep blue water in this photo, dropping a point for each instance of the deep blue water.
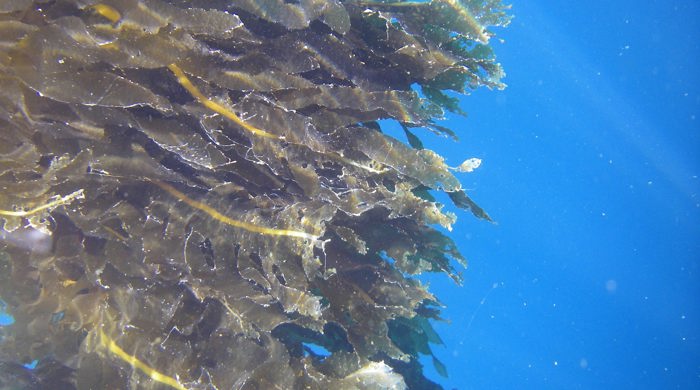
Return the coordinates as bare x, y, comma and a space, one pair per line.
590, 168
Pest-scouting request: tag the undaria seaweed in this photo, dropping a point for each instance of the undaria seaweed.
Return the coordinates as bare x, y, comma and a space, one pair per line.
199, 194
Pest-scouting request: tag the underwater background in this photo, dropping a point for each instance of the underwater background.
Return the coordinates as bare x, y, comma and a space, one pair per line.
589, 276
590, 169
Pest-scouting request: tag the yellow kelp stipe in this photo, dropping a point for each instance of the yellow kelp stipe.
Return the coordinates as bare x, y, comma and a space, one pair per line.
62, 200
214, 106
112, 347
107, 12
229, 221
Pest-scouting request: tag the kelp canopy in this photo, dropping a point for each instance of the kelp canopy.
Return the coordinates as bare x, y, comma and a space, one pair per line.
196, 194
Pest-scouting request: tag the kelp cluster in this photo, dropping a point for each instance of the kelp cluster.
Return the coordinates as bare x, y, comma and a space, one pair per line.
196, 194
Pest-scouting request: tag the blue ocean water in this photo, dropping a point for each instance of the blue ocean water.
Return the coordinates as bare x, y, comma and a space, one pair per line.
589, 279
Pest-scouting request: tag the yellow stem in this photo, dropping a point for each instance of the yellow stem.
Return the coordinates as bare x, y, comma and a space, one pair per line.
214, 106
232, 222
